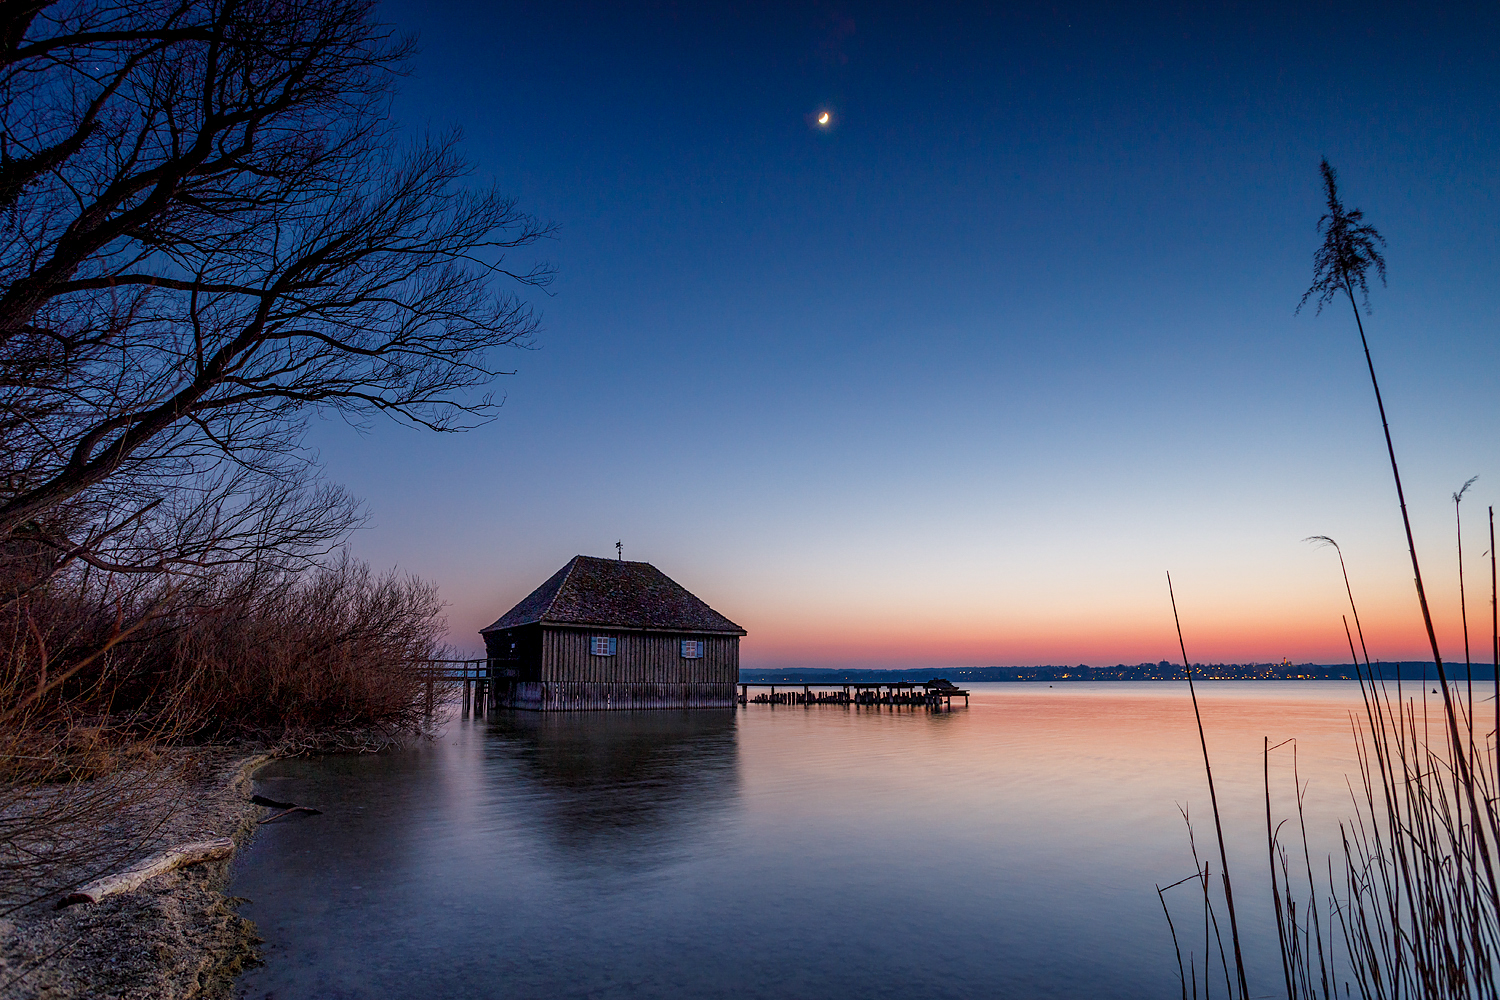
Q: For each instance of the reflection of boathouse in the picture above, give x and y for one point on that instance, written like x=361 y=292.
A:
x=604 y=633
x=615 y=790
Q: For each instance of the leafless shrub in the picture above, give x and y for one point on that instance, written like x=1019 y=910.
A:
x=261 y=649
x=327 y=659
x=338 y=649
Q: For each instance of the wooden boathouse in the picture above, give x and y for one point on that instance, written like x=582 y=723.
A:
x=612 y=634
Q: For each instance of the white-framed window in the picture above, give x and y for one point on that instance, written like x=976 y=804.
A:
x=602 y=645
x=692 y=649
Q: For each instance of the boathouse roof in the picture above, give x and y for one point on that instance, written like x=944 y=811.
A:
x=614 y=593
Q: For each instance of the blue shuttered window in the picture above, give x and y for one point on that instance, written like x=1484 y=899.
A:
x=692 y=649
x=602 y=645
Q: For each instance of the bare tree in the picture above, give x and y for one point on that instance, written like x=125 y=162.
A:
x=211 y=231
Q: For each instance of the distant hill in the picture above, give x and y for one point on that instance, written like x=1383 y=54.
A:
x=1162 y=671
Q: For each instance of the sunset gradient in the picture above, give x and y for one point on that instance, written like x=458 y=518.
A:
x=956 y=382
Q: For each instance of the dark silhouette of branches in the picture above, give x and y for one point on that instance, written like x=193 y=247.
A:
x=212 y=231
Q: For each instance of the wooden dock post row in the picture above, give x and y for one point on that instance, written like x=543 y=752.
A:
x=932 y=694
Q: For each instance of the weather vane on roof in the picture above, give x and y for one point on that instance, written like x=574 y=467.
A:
x=619 y=552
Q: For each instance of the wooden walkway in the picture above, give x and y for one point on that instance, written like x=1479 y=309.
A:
x=932 y=694
x=478 y=678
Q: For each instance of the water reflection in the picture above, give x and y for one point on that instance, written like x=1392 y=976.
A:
x=615 y=789
x=1007 y=850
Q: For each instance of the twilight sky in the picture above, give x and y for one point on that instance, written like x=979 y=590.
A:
x=954 y=381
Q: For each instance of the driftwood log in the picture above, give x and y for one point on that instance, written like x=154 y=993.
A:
x=288 y=811
x=261 y=800
x=135 y=876
x=287 y=808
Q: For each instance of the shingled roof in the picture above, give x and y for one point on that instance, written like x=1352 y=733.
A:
x=615 y=594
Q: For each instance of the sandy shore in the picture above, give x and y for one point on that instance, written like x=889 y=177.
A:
x=176 y=937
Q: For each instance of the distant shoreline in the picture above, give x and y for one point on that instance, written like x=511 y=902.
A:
x=1120 y=672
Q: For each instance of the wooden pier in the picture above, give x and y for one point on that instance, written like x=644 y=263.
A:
x=480 y=679
x=931 y=694
x=477 y=678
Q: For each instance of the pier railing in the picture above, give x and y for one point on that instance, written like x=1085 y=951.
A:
x=477 y=678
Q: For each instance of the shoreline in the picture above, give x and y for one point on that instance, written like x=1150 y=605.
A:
x=179 y=936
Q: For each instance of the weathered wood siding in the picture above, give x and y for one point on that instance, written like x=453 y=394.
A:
x=640 y=658
x=646 y=671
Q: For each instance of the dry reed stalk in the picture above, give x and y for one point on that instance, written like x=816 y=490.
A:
x=1350 y=249
x=1463 y=604
x=1348 y=589
x=1182 y=977
x=1413 y=911
x=1495 y=634
x=1281 y=937
x=1234 y=930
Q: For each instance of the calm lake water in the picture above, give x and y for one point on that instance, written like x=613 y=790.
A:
x=1010 y=849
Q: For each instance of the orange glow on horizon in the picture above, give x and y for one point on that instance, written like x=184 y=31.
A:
x=932 y=612
x=1393 y=632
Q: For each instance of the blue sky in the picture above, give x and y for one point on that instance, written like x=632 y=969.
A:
x=954 y=381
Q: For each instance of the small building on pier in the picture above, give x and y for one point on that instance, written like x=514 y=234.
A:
x=611 y=634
